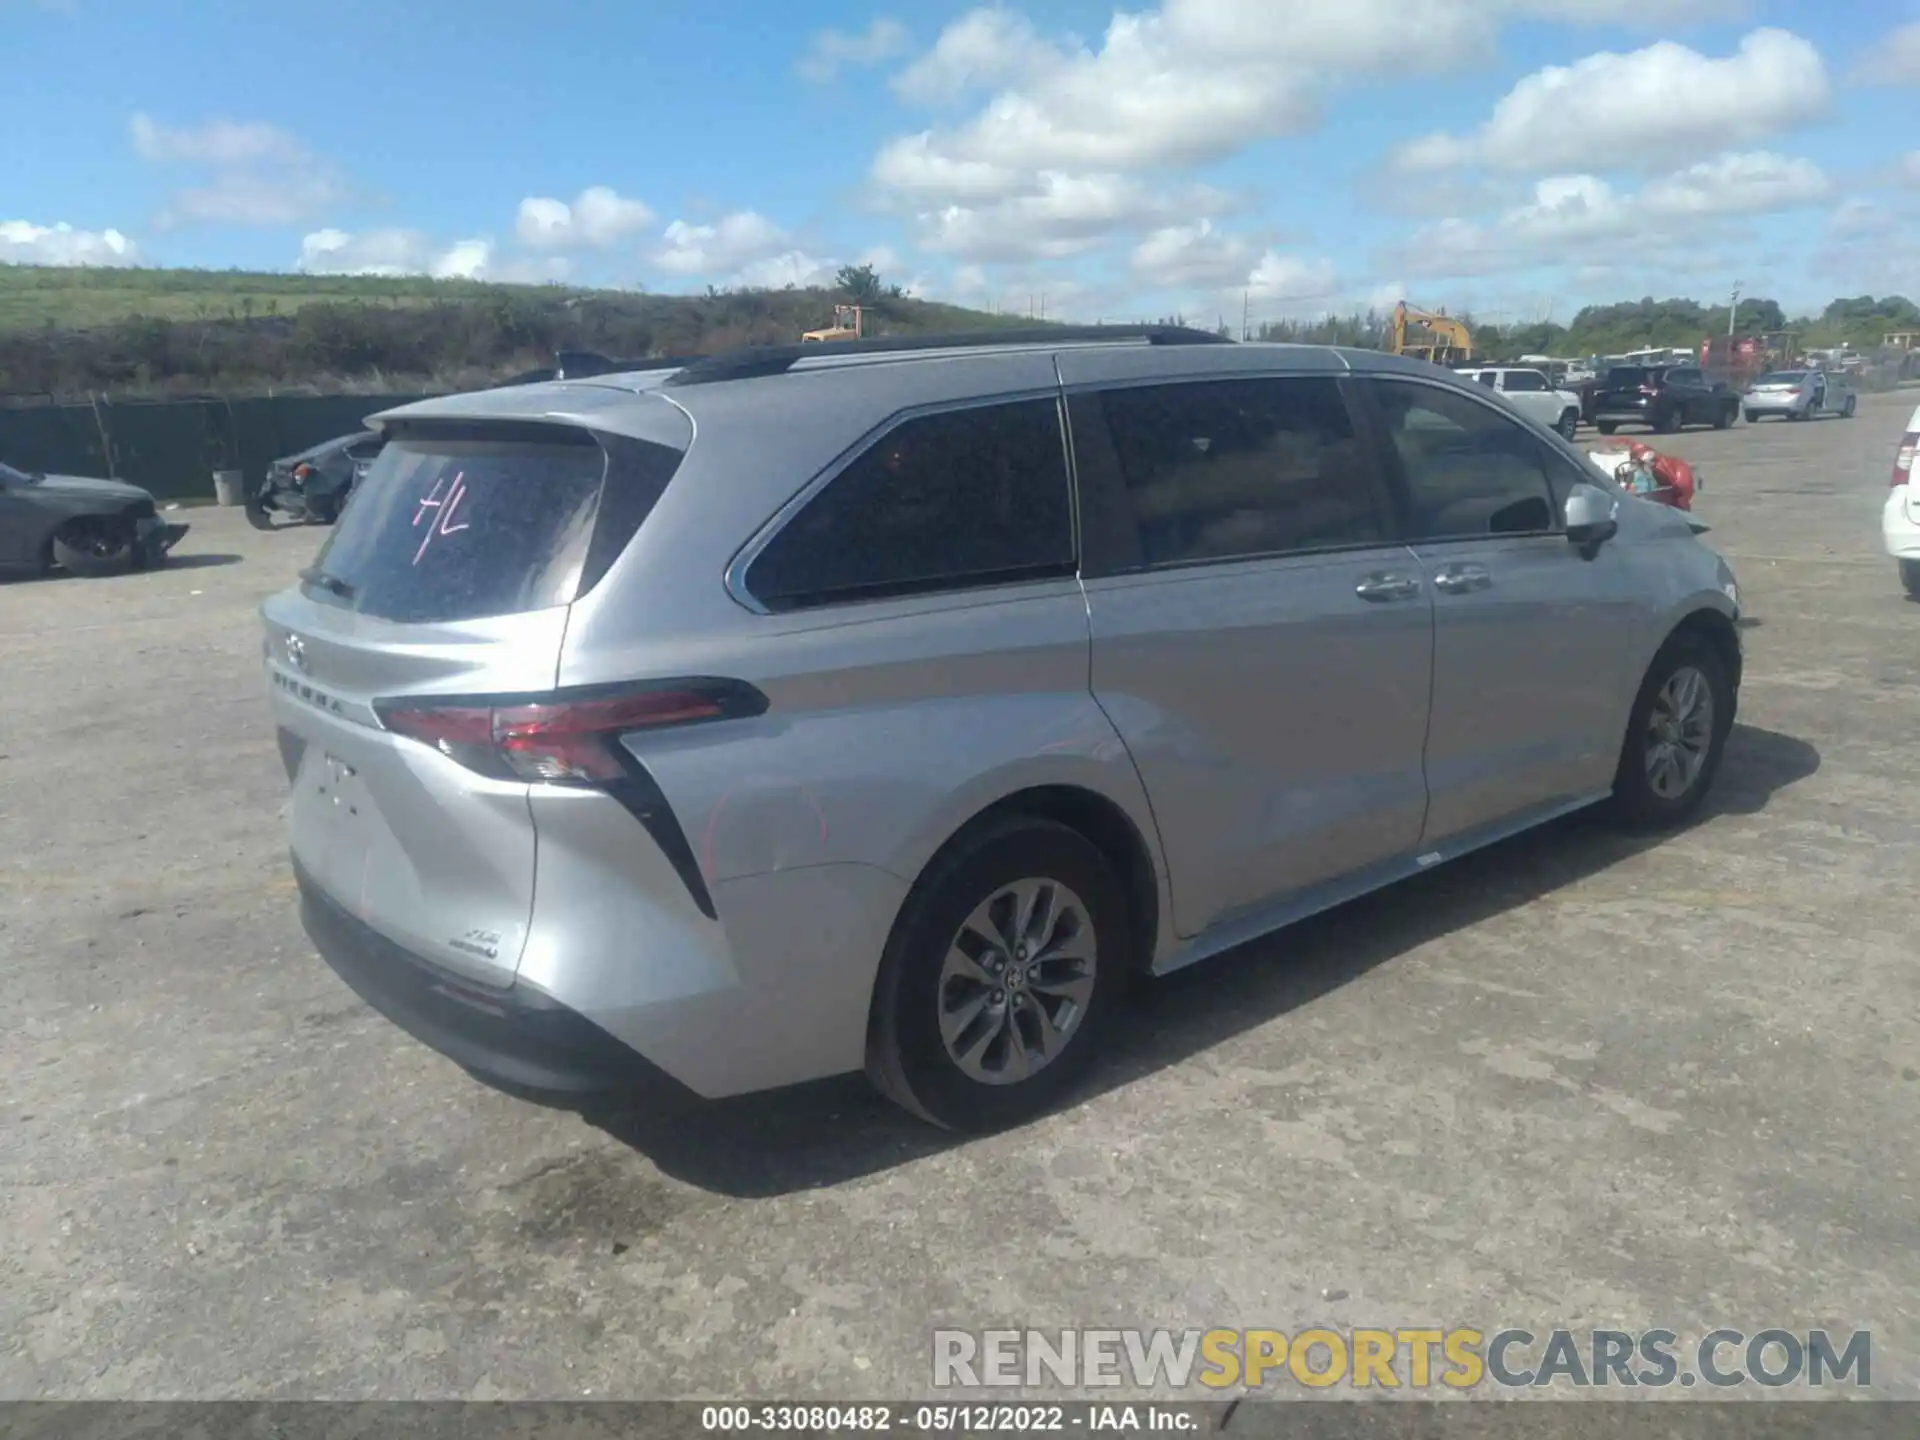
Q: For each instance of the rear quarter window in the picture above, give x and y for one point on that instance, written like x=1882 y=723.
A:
x=952 y=501
x=471 y=522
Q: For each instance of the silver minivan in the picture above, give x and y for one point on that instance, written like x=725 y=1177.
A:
x=887 y=705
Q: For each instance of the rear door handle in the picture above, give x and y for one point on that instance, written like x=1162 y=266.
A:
x=1460 y=579
x=1381 y=587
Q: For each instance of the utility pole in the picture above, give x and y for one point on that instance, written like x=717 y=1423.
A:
x=1733 y=308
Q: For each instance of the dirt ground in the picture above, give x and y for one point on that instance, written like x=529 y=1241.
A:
x=1574 y=1081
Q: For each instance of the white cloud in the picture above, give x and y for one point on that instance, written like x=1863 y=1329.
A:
x=1163 y=89
x=1582 y=215
x=215 y=142
x=1658 y=104
x=775 y=272
x=599 y=217
x=980 y=49
x=24 y=243
x=722 y=248
x=265 y=199
x=1191 y=257
x=257 y=174
x=466 y=260
x=394 y=252
x=1062 y=215
x=831 y=50
x=1893 y=60
x=1190 y=82
x=1611 y=12
x=1290 y=280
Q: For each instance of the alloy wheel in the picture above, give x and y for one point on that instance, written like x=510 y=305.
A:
x=1679 y=733
x=1016 y=981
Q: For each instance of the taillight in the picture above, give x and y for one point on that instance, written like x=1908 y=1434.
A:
x=1903 y=457
x=567 y=738
x=302 y=471
x=1649 y=389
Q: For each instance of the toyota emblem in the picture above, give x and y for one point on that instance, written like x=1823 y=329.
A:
x=297 y=653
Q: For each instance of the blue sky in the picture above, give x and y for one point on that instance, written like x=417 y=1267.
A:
x=1515 y=157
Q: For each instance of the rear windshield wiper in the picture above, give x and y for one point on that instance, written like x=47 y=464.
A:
x=333 y=584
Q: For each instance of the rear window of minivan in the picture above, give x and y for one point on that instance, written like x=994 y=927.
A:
x=467 y=522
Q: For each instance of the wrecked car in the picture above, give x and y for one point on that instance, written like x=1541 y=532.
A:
x=88 y=527
x=313 y=486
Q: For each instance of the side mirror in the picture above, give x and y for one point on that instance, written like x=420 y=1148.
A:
x=1590 y=518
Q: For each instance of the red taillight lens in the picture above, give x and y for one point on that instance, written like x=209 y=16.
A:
x=1903 y=457
x=301 y=472
x=1649 y=389
x=562 y=740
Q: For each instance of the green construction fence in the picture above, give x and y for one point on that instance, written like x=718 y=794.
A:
x=172 y=447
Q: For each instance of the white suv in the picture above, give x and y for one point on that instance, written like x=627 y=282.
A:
x=1531 y=393
x=1901 y=520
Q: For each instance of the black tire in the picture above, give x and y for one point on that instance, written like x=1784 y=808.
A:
x=1796 y=414
x=1910 y=578
x=96 y=545
x=907 y=1058
x=1605 y=427
x=1724 y=420
x=1637 y=803
x=1848 y=406
x=1569 y=425
x=1669 y=423
x=1753 y=418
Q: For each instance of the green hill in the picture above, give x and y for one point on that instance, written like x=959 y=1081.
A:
x=143 y=331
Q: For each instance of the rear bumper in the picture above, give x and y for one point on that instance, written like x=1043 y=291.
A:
x=1898 y=527
x=518 y=1038
x=1775 y=407
x=1625 y=415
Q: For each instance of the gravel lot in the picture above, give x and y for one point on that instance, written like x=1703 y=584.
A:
x=1573 y=1081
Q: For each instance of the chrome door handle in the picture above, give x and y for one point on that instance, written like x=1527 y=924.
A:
x=1382 y=587
x=1459 y=579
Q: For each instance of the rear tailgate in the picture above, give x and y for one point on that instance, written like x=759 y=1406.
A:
x=446 y=585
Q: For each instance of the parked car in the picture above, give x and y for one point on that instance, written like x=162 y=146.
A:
x=888 y=704
x=1529 y=392
x=1900 y=521
x=1800 y=395
x=1664 y=398
x=88 y=527
x=312 y=487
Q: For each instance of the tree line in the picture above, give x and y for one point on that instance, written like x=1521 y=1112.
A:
x=1859 y=321
x=408 y=333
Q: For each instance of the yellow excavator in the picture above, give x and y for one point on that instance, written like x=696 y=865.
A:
x=1429 y=335
x=849 y=323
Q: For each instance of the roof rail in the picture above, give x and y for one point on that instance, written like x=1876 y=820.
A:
x=778 y=359
x=582 y=364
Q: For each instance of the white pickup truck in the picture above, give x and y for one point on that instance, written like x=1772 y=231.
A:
x=1529 y=391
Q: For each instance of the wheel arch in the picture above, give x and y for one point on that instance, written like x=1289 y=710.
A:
x=1105 y=824
x=1717 y=628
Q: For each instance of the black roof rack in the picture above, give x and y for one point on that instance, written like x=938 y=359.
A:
x=778 y=359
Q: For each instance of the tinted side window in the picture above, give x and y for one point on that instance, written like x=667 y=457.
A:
x=1526 y=380
x=1217 y=470
x=1684 y=377
x=1469 y=470
x=943 y=502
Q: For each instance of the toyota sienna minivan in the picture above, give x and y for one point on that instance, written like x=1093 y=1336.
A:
x=886 y=705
